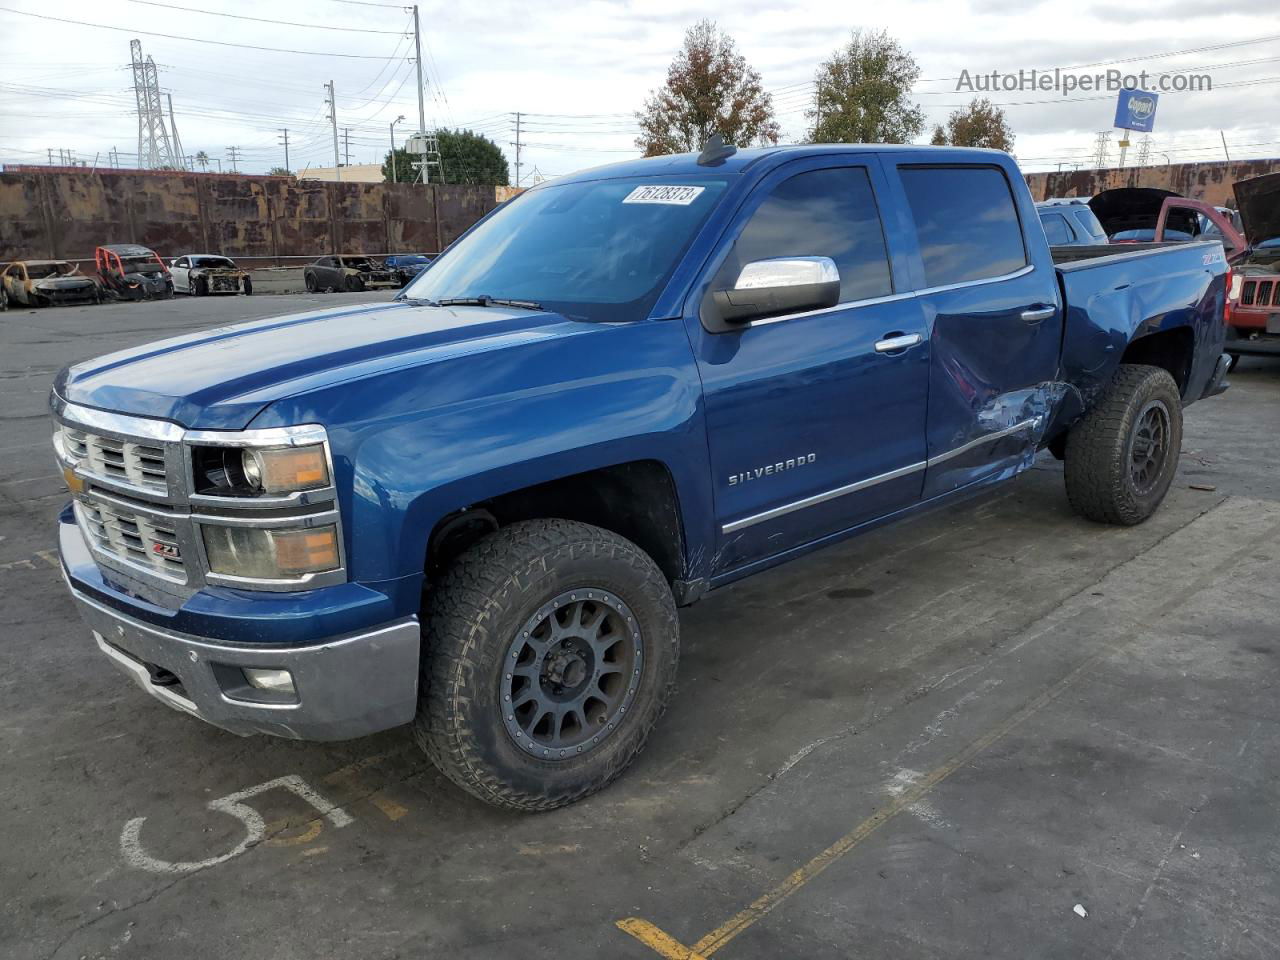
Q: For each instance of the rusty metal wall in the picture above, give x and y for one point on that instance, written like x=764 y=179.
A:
x=64 y=215
x=1211 y=182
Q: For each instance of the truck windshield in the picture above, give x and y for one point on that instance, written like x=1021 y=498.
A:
x=596 y=250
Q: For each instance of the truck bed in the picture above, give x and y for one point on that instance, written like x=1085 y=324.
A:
x=1076 y=252
x=1110 y=291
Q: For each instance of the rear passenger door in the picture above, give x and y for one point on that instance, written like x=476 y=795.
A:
x=993 y=304
x=815 y=420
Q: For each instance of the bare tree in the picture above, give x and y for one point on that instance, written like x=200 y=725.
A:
x=710 y=89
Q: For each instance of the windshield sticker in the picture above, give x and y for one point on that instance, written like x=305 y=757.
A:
x=677 y=196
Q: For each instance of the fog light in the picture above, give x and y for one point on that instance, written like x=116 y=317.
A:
x=276 y=681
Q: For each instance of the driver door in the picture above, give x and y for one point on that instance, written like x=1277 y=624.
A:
x=815 y=420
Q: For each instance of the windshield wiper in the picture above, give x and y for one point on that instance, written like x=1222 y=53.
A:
x=483 y=301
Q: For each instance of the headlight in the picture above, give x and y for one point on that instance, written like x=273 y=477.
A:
x=252 y=471
x=285 y=469
x=267 y=553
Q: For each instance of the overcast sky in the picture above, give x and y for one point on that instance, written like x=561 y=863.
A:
x=578 y=71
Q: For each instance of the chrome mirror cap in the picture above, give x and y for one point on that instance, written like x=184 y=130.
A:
x=787 y=272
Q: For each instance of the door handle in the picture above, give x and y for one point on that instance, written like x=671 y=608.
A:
x=897 y=341
x=1038 y=312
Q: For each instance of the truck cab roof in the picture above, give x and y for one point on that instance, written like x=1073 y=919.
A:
x=761 y=159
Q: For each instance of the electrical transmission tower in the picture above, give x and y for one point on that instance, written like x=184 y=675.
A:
x=233 y=154
x=1102 y=149
x=155 y=147
x=1144 y=151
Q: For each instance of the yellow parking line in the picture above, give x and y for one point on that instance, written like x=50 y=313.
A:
x=392 y=810
x=657 y=941
x=672 y=949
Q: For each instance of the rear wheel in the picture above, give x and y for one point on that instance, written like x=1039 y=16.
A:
x=4 y=299
x=550 y=652
x=1232 y=360
x=1121 y=458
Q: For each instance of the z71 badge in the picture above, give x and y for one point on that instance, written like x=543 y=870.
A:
x=755 y=473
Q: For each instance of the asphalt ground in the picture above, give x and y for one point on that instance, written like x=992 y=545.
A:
x=995 y=730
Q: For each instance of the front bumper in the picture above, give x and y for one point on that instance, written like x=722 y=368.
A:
x=346 y=687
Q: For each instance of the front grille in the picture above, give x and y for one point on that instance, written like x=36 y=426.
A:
x=1260 y=293
x=132 y=537
x=226 y=283
x=140 y=464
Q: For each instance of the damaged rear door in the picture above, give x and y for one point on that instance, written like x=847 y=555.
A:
x=992 y=296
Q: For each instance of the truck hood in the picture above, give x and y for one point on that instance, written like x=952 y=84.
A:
x=221 y=379
x=1131 y=208
x=1258 y=200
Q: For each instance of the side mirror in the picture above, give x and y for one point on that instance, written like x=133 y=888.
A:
x=768 y=288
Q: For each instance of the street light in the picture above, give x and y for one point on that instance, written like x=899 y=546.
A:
x=394 y=176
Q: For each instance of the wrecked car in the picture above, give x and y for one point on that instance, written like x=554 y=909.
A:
x=42 y=283
x=200 y=274
x=1255 y=309
x=131 y=271
x=475 y=508
x=406 y=266
x=349 y=272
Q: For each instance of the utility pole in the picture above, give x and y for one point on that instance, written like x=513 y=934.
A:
x=234 y=156
x=51 y=156
x=346 y=146
x=285 y=141
x=417 y=49
x=1224 y=145
x=517 y=146
x=395 y=178
x=333 y=120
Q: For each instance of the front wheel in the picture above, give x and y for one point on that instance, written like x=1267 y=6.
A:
x=310 y=281
x=354 y=285
x=248 y=287
x=549 y=653
x=1121 y=458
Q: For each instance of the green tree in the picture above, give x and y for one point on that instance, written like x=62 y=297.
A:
x=710 y=89
x=981 y=124
x=465 y=157
x=863 y=93
x=279 y=172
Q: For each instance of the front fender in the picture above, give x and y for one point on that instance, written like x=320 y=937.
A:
x=414 y=445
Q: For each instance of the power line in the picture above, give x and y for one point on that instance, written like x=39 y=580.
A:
x=282 y=23
x=172 y=36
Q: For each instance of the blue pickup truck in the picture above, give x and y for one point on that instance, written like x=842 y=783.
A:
x=476 y=509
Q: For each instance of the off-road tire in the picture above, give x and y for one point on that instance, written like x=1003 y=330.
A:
x=1100 y=483
x=470 y=619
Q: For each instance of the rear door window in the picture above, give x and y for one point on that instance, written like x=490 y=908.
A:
x=966 y=223
x=1056 y=229
x=1085 y=218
